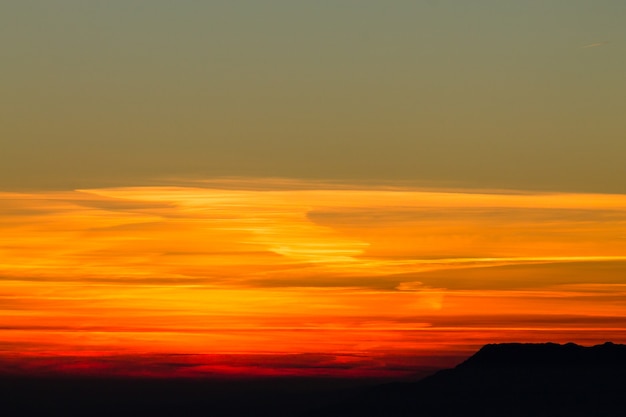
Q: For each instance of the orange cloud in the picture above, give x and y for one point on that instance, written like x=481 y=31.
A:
x=288 y=268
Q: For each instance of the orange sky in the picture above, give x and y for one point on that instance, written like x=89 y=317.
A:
x=279 y=277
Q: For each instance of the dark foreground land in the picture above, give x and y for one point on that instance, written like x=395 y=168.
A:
x=505 y=380
x=137 y=397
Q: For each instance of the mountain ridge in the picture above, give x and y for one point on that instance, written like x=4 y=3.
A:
x=547 y=354
x=511 y=379
x=499 y=380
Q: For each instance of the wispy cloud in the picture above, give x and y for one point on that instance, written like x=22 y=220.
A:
x=286 y=266
x=595 y=44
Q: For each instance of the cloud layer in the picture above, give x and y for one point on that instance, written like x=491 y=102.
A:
x=282 y=268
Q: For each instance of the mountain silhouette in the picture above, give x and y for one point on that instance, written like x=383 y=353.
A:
x=503 y=380
x=507 y=380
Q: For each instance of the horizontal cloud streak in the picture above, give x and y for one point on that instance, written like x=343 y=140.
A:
x=288 y=267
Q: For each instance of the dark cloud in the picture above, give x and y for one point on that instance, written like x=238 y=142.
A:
x=522 y=276
x=218 y=365
x=407 y=215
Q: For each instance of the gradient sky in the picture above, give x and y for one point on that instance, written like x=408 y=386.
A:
x=488 y=93
x=347 y=188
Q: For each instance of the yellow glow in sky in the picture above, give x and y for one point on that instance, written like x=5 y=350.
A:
x=375 y=277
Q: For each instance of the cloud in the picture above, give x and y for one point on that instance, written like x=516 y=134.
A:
x=595 y=44
x=223 y=365
x=293 y=267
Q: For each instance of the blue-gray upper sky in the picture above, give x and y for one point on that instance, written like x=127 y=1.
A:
x=486 y=93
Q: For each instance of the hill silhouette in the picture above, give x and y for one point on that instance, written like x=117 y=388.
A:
x=503 y=380
x=511 y=380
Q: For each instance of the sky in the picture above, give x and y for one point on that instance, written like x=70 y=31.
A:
x=343 y=188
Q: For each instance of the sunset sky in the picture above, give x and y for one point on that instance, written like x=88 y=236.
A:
x=324 y=188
